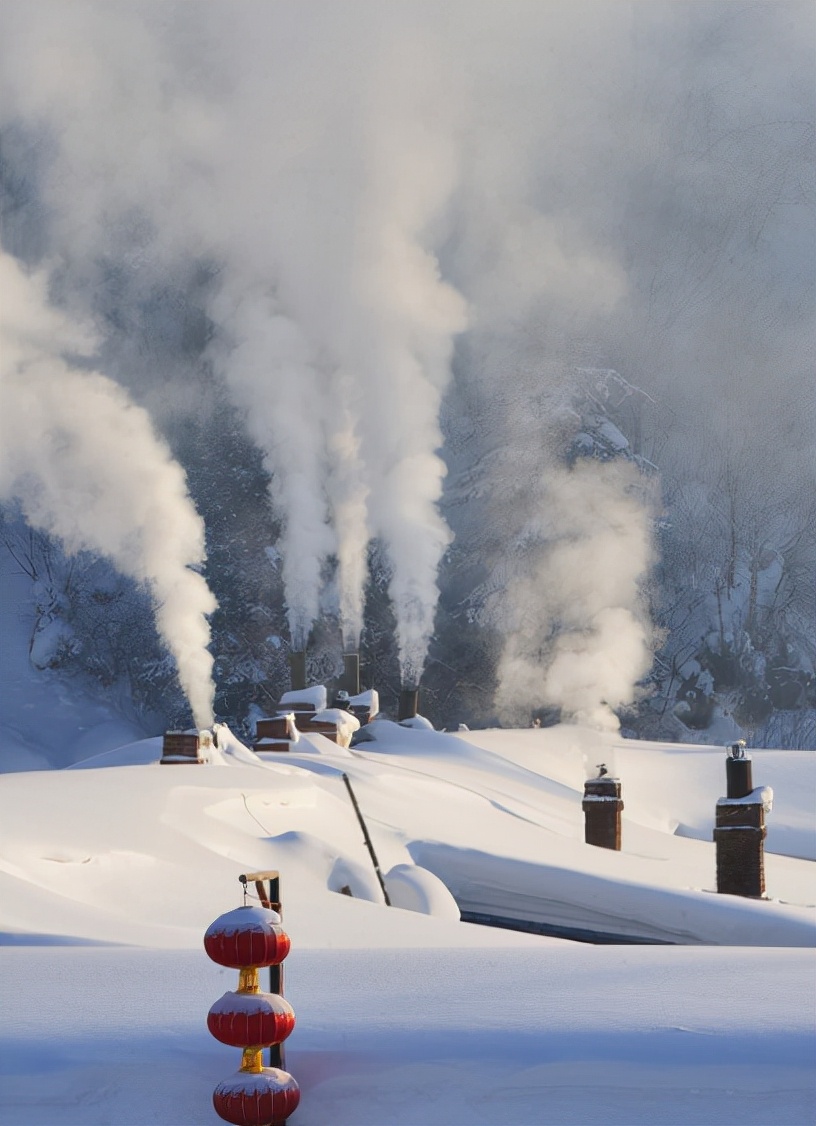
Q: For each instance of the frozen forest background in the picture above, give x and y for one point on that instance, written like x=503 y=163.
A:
x=699 y=377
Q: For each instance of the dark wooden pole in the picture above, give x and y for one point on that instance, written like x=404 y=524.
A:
x=277 y=1055
x=367 y=839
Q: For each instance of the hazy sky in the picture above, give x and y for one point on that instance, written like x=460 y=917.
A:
x=379 y=187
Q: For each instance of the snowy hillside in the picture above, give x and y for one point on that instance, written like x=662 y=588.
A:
x=112 y=869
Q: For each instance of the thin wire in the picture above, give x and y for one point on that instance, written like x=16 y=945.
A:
x=254 y=818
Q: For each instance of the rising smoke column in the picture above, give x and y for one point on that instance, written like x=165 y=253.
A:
x=565 y=551
x=604 y=184
x=576 y=622
x=348 y=499
x=87 y=467
x=334 y=196
x=323 y=180
x=270 y=372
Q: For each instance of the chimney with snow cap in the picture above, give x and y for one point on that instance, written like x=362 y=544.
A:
x=602 y=806
x=739 y=833
x=181 y=747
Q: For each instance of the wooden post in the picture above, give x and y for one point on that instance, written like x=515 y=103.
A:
x=367 y=839
x=272 y=900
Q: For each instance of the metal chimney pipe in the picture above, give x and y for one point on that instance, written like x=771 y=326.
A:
x=351 y=674
x=738 y=778
x=297 y=670
x=408 y=704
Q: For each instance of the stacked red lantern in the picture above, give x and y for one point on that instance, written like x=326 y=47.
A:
x=247 y=939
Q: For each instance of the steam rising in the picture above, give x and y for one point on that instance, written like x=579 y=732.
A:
x=577 y=615
x=396 y=194
x=86 y=466
x=339 y=217
x=271 y=374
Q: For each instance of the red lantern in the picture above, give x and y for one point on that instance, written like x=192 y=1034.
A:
x=245 y=1020
x=262 y=1098
x=246 y=937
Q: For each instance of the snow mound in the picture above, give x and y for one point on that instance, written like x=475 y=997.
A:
x=416 y=889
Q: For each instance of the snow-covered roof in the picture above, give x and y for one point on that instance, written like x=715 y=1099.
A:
x=418 y=721
x=343 y=720
x=369 y=699
x=316 y=696
x=761 y=795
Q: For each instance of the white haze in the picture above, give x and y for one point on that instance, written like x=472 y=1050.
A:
x=531 y=184
x=588 y=642
x=86 y=466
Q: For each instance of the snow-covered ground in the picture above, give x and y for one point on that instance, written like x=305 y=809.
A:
x=112 y=870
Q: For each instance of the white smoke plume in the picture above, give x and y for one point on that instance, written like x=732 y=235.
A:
x=86 y=466
x=270 y=371
x=390 y=189
x=576 y=621
x=348 y=496
x=334 y=198
x=314 y=178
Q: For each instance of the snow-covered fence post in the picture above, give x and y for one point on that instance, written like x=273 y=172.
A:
x=602 y=806
x=247 y=939
x=739 y=833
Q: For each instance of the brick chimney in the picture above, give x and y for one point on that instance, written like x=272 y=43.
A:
x=602 y=806
x=180 y=747
x=739 y=833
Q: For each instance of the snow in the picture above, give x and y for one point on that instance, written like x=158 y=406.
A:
x=761 y=795
x=53 y=723
x=247 y=1003
x=416 y=889
x=369 y=699
x=419 y=722
x=314 y=697
x=344 y=721
x=250 y=1084
x=247 y=918
x=111 y=872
